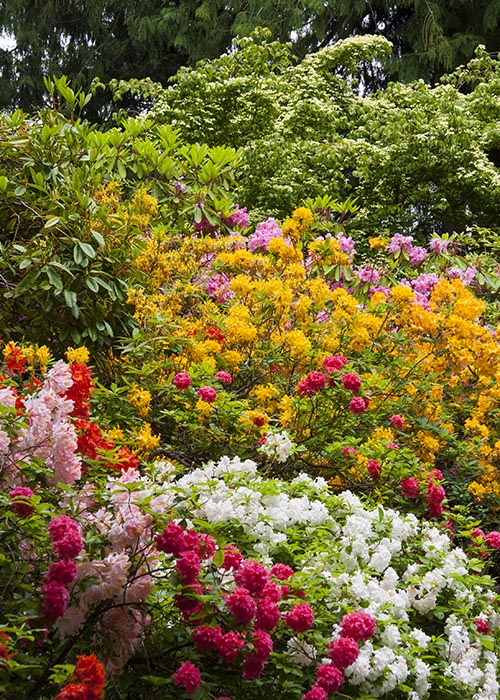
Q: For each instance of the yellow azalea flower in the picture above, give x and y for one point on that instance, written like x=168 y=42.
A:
x=360 y=339
x=378 y=243
x=303 y=216
x=376 y=299
x=287 y=411
x=144 y=439
x=140 y=399
x=291 y=229
x=78 y=355
x=296 y=343
x=264 y=394
x=115 y=434
x=320 y=292
x=204 y=408
x=233 y=358
x=401 y=293
x=336 y=483
x=255 y=419
x=331 y=342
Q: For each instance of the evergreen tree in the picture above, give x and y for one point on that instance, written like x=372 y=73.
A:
x=122 y=39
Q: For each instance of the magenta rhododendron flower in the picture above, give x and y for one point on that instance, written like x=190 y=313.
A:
x=224 y=377
x=62 y=572
x=343 y=652
x=55 y=601
x=351 y=382
x=357 y=405
x=359 y=626
x=374 y=469
x=206 y=638
x=492 y=539
x=182 y=380
x=241 y=606
x=410 y=487
x=207 y=393
x=316 y=693
x=251 y=575
x=171 y=540
x=19 y=497
x=300 y=617
x=66 y=537
x=329 y=677
x=397 y=421
x=230 y=645
x=187 y=676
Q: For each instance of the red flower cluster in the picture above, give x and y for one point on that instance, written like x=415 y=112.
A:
x=351 y=382
x=374 y=469
x=334 y=363
x=79 y=392
x=15 y=360
x=358 y=405
x=207 y=393
x=435 y=494
x=89 y=680
x=182 y=380
x=343 y=652
x=5 y=654
x=410 y=487
x=299 y=618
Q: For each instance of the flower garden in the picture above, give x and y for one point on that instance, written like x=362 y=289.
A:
x=238 y=459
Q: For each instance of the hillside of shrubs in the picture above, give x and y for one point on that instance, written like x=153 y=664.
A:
x=249 y=395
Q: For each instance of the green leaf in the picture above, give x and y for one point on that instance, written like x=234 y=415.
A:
x=53 y=221
x=3 y=183
x=92 y=284
x=88 y=250
x=27 y=282
x=219 y=557
x=98 y=238
x=54 y=278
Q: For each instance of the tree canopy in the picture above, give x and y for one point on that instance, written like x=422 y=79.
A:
x=416 y=158
x=122 y=40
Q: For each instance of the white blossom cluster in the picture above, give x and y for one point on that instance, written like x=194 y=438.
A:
x=277 y=446
x=407 y=574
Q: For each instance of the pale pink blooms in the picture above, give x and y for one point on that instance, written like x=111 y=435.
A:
x=7 y=397
x=64 y=460
x=59 y=378
x=4 y=442
x=71 y=622
x=123 y=629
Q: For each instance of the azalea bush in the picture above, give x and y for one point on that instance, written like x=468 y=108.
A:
x=273 y=343
x=218 y=582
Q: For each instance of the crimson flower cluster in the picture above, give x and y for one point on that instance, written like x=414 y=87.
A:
x=315 y=381
x=253 y=605
x=67 y=543
x=355 y=628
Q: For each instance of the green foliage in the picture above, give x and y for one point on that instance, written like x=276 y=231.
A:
x=417 y=159
x=152 y=39
x=76 y=207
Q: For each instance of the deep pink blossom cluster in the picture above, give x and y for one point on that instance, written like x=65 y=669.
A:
x=20 y=497
x=67 y=543
x=354 y=628
x=312 y=384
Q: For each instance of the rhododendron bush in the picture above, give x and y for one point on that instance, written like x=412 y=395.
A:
x=277 y=344
x=220 y=582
